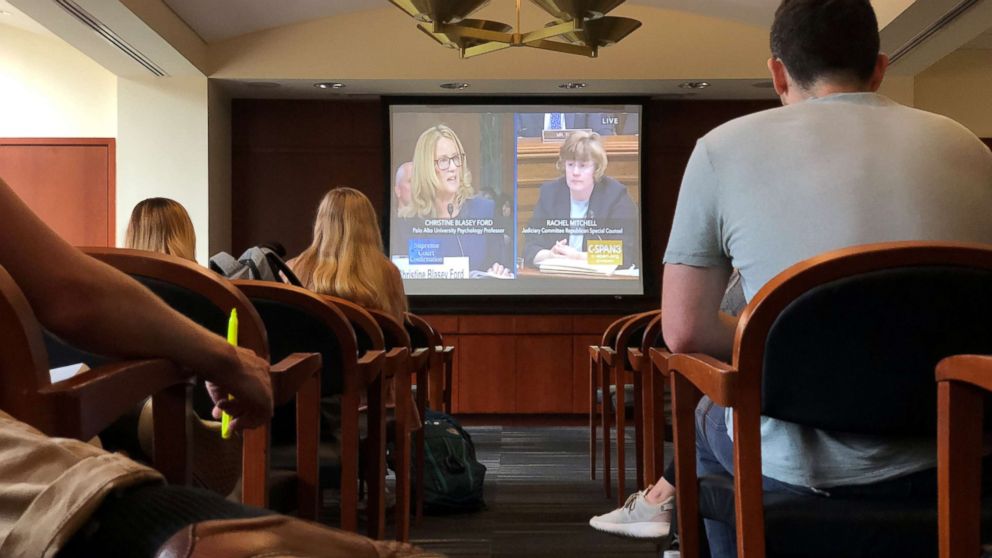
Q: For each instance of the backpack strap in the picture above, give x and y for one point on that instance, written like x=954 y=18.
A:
x=280 y=266
x=224 y=263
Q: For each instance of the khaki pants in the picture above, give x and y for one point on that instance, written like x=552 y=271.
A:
x=49 y=487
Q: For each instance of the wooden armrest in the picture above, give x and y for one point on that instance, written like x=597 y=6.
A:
x=289 y=374
x=659 y=359
x=90 y=401
x=594 y=351
x=634 y=356
x=421 y=358
x=446 y=349
x=370 y=365
x=711 y=376
x=396 y=361
x=607 y=355
x=972 y=369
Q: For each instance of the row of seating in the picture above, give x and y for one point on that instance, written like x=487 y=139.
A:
x=318 y=344
x=848 y=342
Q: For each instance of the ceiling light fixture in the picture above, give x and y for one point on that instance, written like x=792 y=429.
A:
x=694 y=84
x=454 y=85
x=579 y=26
x=572 y=85
x=329 y=85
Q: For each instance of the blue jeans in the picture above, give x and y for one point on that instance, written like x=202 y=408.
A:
x=715 y=456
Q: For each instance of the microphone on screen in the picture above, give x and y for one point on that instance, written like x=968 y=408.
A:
x=451 y=209
x=590 y=215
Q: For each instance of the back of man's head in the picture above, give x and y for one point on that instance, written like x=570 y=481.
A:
x=834 y=40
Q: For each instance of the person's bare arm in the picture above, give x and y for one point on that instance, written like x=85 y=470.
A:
x=98 y=308
x=691 y=320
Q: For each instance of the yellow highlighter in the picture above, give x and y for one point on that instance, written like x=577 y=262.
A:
x=232 y=338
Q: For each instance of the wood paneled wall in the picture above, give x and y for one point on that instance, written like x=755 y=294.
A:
x=532 y=358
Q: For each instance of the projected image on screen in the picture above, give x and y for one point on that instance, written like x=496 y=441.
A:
x=523 y=200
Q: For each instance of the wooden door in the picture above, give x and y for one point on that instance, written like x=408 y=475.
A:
x=69 y=183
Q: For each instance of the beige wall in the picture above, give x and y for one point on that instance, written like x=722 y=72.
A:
x=49 y=89
x=960 y=86
x=900 y=89
x=219 y=119
x=162 y=148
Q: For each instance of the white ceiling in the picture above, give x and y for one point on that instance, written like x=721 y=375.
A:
x=13 y=17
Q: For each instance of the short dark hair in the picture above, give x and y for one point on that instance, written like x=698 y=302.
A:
x=833 y=39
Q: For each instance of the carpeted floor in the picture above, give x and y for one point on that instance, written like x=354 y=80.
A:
x=539 y=498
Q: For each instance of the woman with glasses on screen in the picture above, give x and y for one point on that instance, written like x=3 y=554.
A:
x=583 y=192
x=441 y=188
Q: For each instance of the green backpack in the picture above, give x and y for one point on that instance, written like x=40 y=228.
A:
x=453 y=476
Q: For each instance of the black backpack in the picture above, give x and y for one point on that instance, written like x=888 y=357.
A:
x=453 y=477
x=258 y=262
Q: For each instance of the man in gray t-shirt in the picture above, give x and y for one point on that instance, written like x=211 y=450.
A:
x=838 y=165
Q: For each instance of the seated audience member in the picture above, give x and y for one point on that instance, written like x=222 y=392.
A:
x=346 y=257
x=583 y=192
x=118 y=507
x=161 y=225
x=838 y=166
x=442 y=189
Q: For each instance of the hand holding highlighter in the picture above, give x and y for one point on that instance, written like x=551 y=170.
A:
x=232 y=338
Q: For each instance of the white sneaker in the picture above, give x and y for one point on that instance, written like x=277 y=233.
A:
x=637 y=518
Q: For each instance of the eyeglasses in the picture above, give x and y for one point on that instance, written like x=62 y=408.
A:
x=444 y=163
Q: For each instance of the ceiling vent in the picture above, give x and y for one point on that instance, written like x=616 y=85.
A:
x=922 y=36
x=107 y=33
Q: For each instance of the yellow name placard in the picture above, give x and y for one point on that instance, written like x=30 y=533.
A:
x=605 y=252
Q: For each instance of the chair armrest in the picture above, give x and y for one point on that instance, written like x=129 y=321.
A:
x=90 y=401
x=711 y=376
x=635 y=357
x=659 y=359
x=972 y=369
x=290 y=373
x=370 y=366
x=607 y=355
x=421 y=358
x=594 y=352
x=396 y=361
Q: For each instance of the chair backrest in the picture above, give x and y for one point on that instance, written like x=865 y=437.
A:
x=367 y=331
x=610 y=334
x=652 y=335
x=23 y=361
x=297 y=320
x=194 y=291
x=422 y=333
x=848 y=341
x=631 y=334
x=393 y=333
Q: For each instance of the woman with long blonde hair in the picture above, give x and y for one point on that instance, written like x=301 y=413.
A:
x=346 y=257
x=161 y=225
x=441 y=188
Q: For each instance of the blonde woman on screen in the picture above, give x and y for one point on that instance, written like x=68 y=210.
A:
x=161 y=225
x=346 y=257
x=441 y=188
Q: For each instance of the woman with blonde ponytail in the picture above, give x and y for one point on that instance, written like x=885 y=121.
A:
x=346 y=257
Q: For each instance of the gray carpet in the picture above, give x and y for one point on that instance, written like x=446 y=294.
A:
x=539 y=497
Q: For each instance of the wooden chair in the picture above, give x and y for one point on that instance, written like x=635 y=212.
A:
x=207 y=299
x=963 y=386
x=598 y=405
x=298 y=320
x=370 y=338
x=616 y=371
x=406 y=420
x=844 y=342
x=653 y=415
x=423 y=335
x=83 y=405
